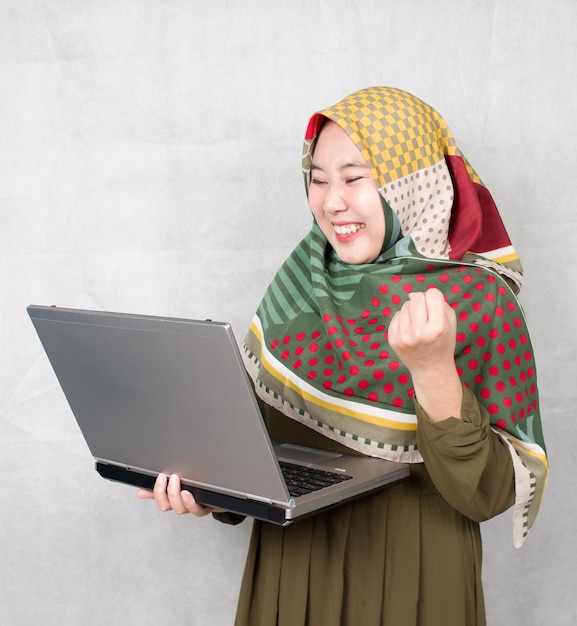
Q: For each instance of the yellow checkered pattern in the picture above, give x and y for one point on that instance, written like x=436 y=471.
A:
x=398 y=134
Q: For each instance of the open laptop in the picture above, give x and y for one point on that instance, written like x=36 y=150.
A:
x=153 y=394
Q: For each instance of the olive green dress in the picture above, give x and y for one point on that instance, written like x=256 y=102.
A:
x=403 y=556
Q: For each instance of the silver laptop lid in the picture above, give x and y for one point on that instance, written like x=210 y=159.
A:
x=161 y=395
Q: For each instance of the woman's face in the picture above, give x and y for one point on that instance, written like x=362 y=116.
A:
x=344 y=199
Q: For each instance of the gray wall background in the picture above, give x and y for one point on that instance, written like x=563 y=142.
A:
x=150 y=162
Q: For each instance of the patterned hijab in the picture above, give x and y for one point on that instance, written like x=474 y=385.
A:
x=317 y=348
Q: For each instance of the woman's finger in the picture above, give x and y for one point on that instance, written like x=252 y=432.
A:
x=145 y=494
x=193 y=507
x=160 y=494
x=174 y=492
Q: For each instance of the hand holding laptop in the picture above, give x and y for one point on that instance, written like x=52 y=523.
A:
x=170 y=497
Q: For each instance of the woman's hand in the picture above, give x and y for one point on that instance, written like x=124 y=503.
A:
x=423 y=332
x=170 y=497
x=423 y=335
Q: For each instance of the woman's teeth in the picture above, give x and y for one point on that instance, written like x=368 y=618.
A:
x=348 y=229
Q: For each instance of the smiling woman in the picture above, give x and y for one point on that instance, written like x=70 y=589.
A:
x=392 y=330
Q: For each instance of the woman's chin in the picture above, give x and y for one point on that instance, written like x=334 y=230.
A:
x=354 y=257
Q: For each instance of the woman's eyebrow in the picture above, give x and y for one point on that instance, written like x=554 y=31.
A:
x=344 y=166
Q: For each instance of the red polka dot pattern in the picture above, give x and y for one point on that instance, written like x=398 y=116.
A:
x=349 y=354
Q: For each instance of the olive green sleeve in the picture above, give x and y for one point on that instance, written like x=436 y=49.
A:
x=229 y=518
x=469 y=464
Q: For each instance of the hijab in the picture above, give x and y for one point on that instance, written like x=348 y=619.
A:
x=317 y=348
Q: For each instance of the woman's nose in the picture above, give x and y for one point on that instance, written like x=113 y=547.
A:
x=334 y=200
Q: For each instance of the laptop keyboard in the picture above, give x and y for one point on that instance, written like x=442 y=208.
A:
x=301 y=480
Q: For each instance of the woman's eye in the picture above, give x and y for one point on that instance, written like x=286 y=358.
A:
x=316 y=181
x=353 y=179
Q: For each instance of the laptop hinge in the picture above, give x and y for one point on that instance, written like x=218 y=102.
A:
x=285 y=505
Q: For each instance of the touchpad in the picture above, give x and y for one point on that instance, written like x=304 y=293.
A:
x=292 y=452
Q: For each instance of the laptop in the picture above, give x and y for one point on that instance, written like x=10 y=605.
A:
x=156 y=394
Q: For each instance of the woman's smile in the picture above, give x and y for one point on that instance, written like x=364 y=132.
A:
x=345 y=232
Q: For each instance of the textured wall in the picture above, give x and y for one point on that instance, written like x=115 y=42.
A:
x=149 y=162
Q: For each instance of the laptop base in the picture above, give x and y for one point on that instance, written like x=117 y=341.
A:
x=250 y=508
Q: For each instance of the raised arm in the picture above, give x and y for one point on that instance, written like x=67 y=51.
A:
x=469 y=463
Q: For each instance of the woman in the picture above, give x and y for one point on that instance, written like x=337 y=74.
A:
x=392 y=330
